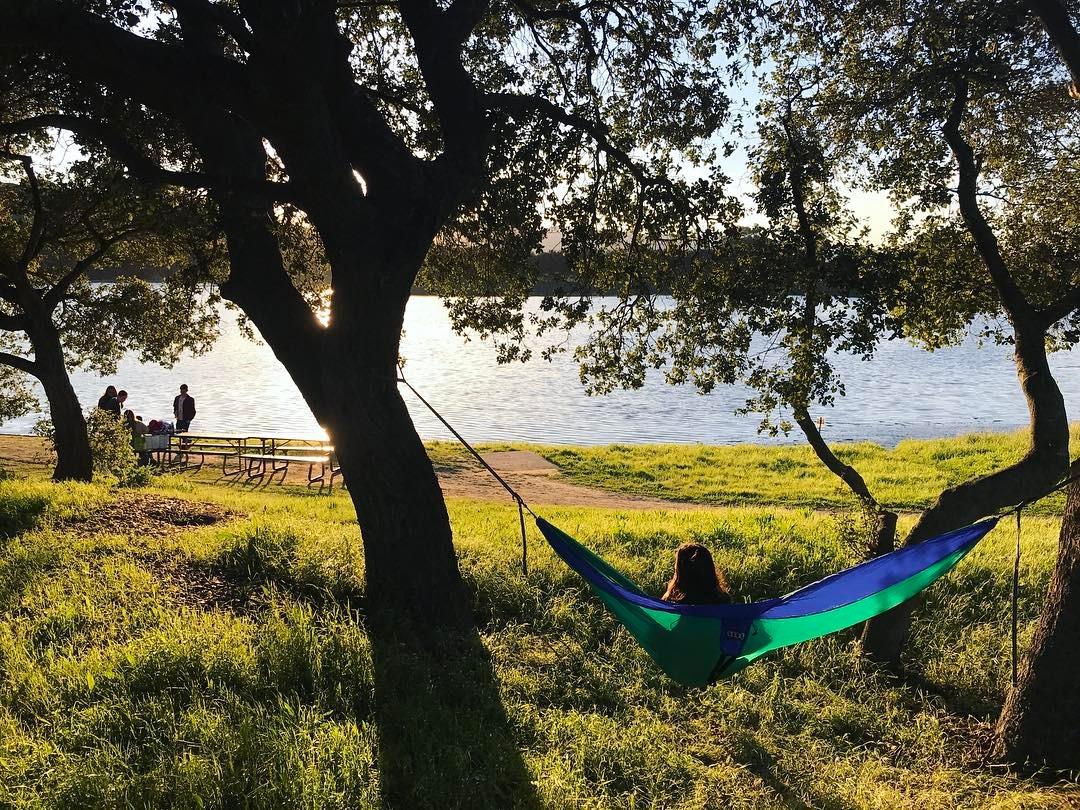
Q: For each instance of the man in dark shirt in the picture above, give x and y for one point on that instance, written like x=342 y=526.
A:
x=184 y=410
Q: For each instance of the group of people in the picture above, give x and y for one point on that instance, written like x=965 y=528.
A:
x=183 y=412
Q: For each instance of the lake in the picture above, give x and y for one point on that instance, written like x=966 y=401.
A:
x=903 y=393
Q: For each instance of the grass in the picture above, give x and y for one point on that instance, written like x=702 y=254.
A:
x=124 y=682
x=908 y=477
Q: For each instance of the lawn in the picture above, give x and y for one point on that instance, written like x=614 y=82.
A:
x=907 y=477
x=192 y=645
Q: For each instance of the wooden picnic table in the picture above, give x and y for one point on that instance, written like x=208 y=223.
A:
x=261 y=457
x=183 y=447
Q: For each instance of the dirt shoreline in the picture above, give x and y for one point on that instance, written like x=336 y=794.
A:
x=538 y=481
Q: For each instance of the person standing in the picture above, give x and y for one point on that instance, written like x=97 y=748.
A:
x=183 y=410
x=109 y=401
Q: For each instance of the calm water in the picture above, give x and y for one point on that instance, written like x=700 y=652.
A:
x=905 y=392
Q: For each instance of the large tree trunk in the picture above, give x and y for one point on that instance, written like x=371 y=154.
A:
x=72 y=444
x=412 y=570
x=1040 y=723
x=1040 y=469
x=347 y=375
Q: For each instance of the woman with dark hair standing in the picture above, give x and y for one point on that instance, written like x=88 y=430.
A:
x=696 y=580
x=109 y=401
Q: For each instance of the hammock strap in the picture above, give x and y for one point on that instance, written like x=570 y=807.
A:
x=1015 y=599
x=522 y=506
x=524 y=545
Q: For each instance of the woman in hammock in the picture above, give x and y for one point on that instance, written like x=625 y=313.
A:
x=696 y=580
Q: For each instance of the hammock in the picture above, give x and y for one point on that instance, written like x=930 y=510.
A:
x=697 y=644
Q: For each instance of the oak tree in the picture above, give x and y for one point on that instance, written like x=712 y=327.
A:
x=56 y=229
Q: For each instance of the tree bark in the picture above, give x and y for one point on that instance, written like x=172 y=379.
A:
x=1054 y=16
x=412 y=569
x=1039 y=725
x=73 y=459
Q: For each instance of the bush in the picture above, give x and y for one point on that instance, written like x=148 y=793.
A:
x=110 y=447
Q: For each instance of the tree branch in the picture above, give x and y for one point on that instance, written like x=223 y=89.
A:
x=142 y=167
x=154 y=73
x=462 y=17
x=1017 y=307
x=457 y=101
x=1054 y=16
x=13 y=323
x=20 y=363
x=1061 y=308
x=57 y=292
x=37 y=227
x=224 y=18
x=845 y=472
x=515 y=104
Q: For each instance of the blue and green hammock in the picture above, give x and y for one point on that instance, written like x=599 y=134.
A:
x=697 y=644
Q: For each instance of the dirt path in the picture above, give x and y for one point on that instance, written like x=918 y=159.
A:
x=538 y=480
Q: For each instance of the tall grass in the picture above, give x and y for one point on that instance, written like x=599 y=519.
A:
x=119 y=689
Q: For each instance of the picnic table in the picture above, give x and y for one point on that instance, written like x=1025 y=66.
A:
x=260 y=458
x=183 y=449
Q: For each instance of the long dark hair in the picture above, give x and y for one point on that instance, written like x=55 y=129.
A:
x=696 y=580
x=110 y=391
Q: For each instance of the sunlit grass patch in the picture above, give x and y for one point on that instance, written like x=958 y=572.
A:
x=908 y=476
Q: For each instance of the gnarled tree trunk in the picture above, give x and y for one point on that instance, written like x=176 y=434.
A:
x=72 y=444
x=1041 y=467
x=1039 y=726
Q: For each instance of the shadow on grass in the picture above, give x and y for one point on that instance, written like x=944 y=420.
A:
x=445 y=739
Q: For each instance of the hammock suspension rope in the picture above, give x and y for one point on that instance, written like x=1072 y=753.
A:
x=521 y=505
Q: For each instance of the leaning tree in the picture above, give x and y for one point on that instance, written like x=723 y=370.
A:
x=774 y=305
x=963 y=121
x=392 y=126
x=55 y=230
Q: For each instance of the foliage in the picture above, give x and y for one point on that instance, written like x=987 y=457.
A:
x=96 y=218
x=590 y=122
x=110 y=447
x=16 y=394
x=994 y=67
x=112 y=658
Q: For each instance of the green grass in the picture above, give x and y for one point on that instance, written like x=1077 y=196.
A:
x=909 y=476
x=119 y=689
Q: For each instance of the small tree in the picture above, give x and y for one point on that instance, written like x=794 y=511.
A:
x=53 y=232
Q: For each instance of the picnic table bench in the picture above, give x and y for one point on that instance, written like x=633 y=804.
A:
x=183 y=447
x=259 y=457
x=267 y=465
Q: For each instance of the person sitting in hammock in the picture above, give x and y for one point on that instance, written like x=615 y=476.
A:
x=696 y=580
